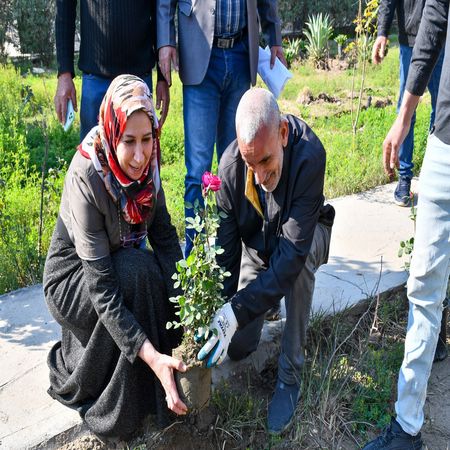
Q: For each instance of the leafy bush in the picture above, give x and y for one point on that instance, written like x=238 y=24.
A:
x=318 y=34
x=292 y=48
x=341 y=40
x=25 y=228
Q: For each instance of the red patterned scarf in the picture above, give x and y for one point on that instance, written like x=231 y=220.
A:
x=136 y=198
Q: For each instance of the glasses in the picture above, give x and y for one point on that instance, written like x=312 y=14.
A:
x=134 y=239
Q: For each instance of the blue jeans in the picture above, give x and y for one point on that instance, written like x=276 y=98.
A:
x=209 y=109
x=93 y=89
x=427 y=284
x=406 y=149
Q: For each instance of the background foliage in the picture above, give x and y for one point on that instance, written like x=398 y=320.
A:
x=27 y=117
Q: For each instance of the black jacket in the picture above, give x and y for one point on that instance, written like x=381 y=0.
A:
x=432 y=37
x=280 y=242
x=409 y=14
x=117 y=36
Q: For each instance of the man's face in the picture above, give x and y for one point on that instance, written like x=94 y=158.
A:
x=264 y=155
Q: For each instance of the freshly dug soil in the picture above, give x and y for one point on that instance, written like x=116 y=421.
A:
x=194 y=385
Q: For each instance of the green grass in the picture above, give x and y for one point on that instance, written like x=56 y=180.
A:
x=353 y=160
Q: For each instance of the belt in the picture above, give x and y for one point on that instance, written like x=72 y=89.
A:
x=229 y=41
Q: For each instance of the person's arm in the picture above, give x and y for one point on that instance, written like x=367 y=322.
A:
x=163 y=367
x=166 y=42
x=162 y=88
x=271 y=28
x=165 y=243
x=293 y=247
x=66 y=11
x=398 y=132
x=429 y=42
x=386 y=11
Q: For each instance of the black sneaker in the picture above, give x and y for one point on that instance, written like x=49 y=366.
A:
x=402 y=194
x=394 y=438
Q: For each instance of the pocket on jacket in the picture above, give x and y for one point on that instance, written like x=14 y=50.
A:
x=185 y=7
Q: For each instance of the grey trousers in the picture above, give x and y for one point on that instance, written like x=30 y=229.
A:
x=298 y=306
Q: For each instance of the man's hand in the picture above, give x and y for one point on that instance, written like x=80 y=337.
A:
x=162 y=100
x=64 y=91
x=223 y=327
x=379 y=49
x=398 y=132
x=163 y=367
x=167 y=57
x=277 y=52
x=391 y=146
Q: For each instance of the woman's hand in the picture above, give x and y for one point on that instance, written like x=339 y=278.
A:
x=163 y=367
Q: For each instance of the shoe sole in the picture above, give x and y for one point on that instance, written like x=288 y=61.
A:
x=400 y=203
x=277 y=433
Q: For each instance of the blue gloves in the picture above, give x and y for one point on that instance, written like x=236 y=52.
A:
x=223 y=327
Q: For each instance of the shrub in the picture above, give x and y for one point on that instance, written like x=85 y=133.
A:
x=318 y=34
x=292 y=48
x=341 y=40
x=24 y=232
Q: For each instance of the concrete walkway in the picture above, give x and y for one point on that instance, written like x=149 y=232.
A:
x=363 y=261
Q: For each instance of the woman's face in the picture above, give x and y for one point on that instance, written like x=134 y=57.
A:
x=135 y=147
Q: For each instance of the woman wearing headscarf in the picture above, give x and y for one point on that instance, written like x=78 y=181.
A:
x=107 y=290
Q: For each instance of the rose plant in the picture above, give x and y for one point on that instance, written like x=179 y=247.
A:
x=199 y=276
x=201 y=281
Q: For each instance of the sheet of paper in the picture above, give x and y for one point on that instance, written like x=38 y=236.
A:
x=275 y=78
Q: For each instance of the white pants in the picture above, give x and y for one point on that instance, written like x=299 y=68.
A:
x=427 y=284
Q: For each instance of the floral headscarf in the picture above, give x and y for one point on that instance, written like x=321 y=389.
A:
x=135 y=198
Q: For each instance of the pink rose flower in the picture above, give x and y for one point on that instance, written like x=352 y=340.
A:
x=211 y=182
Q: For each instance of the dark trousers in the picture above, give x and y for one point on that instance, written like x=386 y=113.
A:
x=298 y=306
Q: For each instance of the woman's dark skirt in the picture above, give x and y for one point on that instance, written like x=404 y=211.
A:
x=87 y=370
